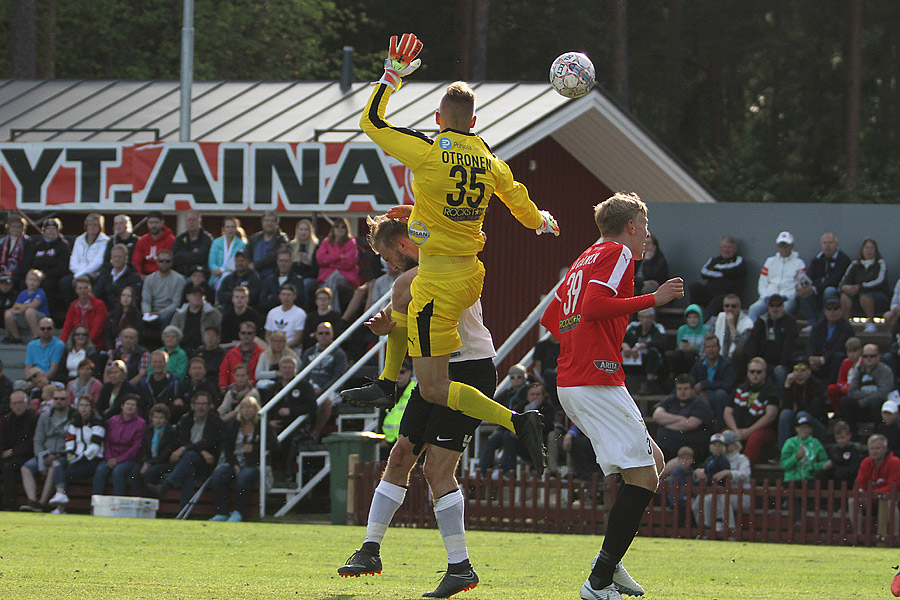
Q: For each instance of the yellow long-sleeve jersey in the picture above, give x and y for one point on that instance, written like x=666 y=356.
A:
x=454 y=176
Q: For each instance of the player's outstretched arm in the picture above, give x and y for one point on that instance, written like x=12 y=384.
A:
x=673 y=288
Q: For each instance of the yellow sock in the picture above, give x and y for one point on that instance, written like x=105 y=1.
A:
x=470 y=401
x=396 y=347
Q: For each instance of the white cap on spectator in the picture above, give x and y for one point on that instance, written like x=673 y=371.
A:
x=890 y=407
x=785 y=237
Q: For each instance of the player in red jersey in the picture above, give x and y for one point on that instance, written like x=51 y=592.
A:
x=588 y=316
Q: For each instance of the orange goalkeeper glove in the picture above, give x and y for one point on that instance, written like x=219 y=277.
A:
x=401 y=60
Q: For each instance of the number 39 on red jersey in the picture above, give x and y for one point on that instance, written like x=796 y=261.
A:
x=590 y=351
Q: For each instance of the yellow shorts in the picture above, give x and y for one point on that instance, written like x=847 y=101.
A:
x=444 y=287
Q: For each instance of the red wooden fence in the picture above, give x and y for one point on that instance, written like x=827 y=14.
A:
x=765 y=511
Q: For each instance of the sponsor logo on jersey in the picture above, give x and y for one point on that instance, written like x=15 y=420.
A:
x=569 y=323
x=446 y=143
x=463 y=213
x=607 y=366
x=418 y=233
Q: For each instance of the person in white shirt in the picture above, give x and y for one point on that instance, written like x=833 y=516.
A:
x=287 y=317
x=87 y=256
x=781 y=274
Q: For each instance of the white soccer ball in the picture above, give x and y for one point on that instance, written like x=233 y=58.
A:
x=572 y=74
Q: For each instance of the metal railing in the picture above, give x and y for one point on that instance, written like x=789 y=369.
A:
x=514 y=338
x=304 y=373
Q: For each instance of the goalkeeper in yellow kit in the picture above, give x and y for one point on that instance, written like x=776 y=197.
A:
x=454 y=176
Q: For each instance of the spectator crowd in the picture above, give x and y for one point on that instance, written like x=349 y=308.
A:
x=151 y=355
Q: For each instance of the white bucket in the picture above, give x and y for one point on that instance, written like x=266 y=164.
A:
x=124 y=506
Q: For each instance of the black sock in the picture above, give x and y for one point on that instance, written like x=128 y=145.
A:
x=624 y=520
x=371 y=547
x=459 y=568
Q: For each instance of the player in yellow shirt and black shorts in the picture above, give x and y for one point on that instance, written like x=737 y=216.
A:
x=454 y=176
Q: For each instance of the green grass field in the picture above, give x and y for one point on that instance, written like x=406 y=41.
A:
x=52 y=557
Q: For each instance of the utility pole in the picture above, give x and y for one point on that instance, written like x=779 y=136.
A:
x=187 y=71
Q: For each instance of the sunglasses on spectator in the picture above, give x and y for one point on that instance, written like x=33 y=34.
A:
x=46 y=328
x=800 y=367
x=755 y=371
x=248 y=333
x=730 y=305
x=63 y=397
x=870 y=355
x=164 y=260
x=322 y=332
x=80 y=333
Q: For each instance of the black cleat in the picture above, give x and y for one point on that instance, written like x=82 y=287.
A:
x=381 y=393
x=453 y=584
x=361 y=563
x=530 y=431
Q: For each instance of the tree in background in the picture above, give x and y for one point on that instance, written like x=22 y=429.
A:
x=773 y=100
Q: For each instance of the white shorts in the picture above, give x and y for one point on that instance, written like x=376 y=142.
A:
x=609 y=417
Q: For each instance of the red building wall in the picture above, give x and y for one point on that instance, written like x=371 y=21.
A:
x=522 y=266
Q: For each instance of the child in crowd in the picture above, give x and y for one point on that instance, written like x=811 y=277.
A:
x=802 y=457
x=682 y=473
x=843 y=457
x=688 y=340
x=30 y=307
x=836 y=391
x=716 y=463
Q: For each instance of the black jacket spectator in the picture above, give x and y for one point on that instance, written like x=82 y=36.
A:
x=300 y=401
x=775 y=341
x=827 y=272
x=8 y=297
x=188 y=253
x=872 y=278
x=109 y=289
x=211 y=440
x=129 y=241
x=52 y=259
x=229 y=437
x=651 y=269
x=162 y=391
x=6 y=388
x=306 y=271
x=17 y=433
x=809 y=397
x=211 y=359
x=231 y=322
x=723 y=374
x=266 y=263
x=186 y=390
x=820 y=344
x=167 y=445
x=248 y=278
x=845 y=461
x=268 y=296
x=109 y=406
x=724 y=276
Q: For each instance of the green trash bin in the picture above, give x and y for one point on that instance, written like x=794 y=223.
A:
x=340 y=446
